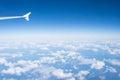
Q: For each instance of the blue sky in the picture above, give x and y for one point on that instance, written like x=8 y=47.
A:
x=61 y=17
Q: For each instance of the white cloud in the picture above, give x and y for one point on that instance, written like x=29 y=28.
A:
x=28 y=65
x=70 y=46
x=59 y=73
x=9 y=79
x=48 y=60
x=64 y=53
x=111 y=69
x=114 y=51
x=114 y=62
x=48 y=72
x=9 y=64
x=97 y=64
x=83 y=60
x=3 y=61
x=72 y=78
x=32 y=51
x=82 y=75
x=95 y=49
x=102 y=77
x=71 y=53
x=13 y=55
x=15 y=69
x=58 y=54
x=7 y=45
x=44 y=48
x=2 y=47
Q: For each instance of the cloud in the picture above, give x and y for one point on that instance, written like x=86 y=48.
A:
x=6 y=63
x=47 y=60
x=82 y=75
x=72 y=78
x=13 y=55
x=15 y=69
x=59 y=73
x=111 y=69
x=7 y=45
x=48 y=72
x=44 y=48
x=114 y=62
x=97 y=64
x=45 y=65
x=114 y=51
x=9 y=79
x=71 y=53
x=102 y=77
x=2 y=47
x=3 y=61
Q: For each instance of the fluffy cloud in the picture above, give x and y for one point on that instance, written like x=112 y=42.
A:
x=9 y=79
x=82 y=75
x=111 y=69
x=54 y=56
x=114 y=51
x=17 y=70
x=114 y=62
x=3 y=61
x=72 y=78
x=102 y=77
x=97 y=64
x=71 y=53
x=48 y=60
x=2 y=47
x=13 y=70
x=13 y=55
x=59 y=73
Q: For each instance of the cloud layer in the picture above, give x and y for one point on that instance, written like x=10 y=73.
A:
x=66 y=60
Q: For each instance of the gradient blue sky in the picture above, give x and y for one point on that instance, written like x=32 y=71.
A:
x=63 y=17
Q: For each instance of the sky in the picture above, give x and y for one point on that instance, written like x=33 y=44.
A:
x=66 y=18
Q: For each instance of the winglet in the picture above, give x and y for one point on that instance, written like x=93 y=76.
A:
x=26 y=16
